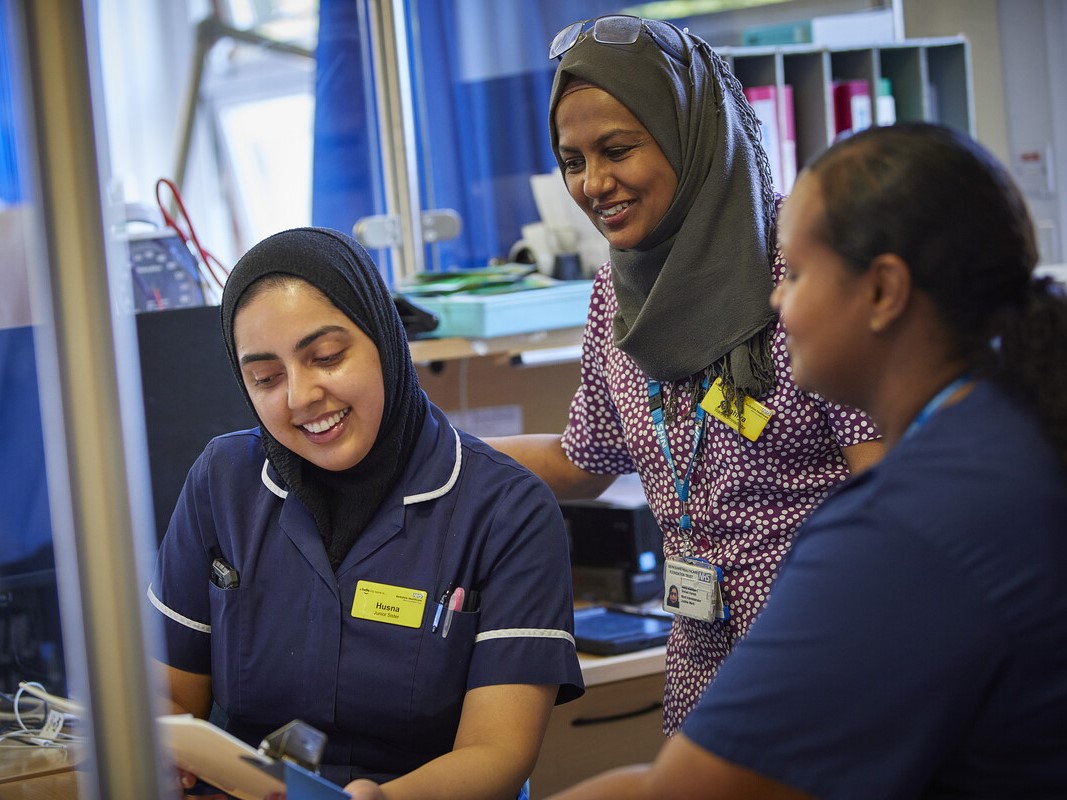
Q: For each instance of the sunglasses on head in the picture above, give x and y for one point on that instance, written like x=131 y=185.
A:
x=610 y=29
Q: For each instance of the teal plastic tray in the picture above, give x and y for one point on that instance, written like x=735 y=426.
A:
x=564 y=305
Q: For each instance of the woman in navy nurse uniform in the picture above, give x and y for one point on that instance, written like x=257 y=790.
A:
x=355 y=562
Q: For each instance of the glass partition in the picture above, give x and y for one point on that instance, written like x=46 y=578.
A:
x=75 y=513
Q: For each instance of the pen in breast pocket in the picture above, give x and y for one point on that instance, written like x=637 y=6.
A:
x=440 y=607
x=455 y=603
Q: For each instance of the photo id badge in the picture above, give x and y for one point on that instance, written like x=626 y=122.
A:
x=691 y=588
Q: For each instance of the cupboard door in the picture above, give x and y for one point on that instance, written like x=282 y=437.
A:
x=611 y=725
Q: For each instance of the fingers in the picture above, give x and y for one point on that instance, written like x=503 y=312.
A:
x=186 y=780
x=364 y=789
x=200 y=791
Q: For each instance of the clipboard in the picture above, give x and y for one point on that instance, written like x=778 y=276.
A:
x=609 y=631
x=220 y=758
x=224 y=761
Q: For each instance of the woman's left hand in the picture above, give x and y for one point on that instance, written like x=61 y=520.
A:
x=364 y=789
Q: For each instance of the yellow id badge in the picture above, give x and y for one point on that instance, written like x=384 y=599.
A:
x=393 y=605
x=753 y=419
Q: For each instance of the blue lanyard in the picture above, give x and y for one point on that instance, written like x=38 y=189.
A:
x=935 y=404
x=655 y=405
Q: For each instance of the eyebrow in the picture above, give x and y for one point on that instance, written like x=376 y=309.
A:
x=303 y=344
x=604 y=138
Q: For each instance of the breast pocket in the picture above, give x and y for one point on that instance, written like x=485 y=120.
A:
x=441 y=675
x=272 y=651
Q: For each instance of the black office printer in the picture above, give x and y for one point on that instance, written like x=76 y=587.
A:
x=616 y=547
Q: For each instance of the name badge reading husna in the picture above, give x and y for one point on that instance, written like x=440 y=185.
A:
x=753 y=419
x=691 y=589
x=393 y=605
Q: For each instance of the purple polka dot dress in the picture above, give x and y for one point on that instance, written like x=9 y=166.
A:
x=746 y=498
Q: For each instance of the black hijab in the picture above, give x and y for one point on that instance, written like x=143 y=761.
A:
x=694 y=296
x=342 y=503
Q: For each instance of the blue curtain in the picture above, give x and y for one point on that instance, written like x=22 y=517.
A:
x=482 y=81
x=346 y=165
x=10 y=180
x=25 y=521
x=484 y=130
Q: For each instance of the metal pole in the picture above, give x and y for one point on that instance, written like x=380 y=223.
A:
x=396 y=128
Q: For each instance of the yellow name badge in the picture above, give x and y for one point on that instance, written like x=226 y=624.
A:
x=393 y=605
x=753 y=419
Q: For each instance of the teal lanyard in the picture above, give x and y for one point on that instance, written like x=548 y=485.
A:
x=935 y=404
x=655 y=405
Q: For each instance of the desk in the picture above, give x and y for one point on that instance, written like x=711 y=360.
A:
x=429 y=350
x=598 y=670
x=618 y=721
x=37 y=773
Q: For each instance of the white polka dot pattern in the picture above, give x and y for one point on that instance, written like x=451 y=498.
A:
x=746 y=500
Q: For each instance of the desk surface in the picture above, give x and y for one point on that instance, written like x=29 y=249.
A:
x=428 y=350
x=41 y=773
x=607 y=669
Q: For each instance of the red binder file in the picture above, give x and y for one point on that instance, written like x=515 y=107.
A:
x=852 y=106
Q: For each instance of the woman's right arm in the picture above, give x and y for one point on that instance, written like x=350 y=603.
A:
x=188 y=693
x=542 y=454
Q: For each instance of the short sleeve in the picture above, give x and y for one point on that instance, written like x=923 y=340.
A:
x=594 y=438
x=526 y=619
x=848 y=425
x=181 y=580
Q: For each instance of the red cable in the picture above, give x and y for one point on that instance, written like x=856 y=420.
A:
x=188 y=233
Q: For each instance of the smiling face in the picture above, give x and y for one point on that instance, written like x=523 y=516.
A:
x=314 y=378
x=614 y=170
x=824 y=305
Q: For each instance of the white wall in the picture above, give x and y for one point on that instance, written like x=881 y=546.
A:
x=1018 y=65
x=15 y=304
x=1033 y=36
x=978 y=21
x=146 y=54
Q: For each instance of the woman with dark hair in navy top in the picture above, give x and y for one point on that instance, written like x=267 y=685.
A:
x=355 y=562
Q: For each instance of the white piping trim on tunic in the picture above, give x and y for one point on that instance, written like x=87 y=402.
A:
x=524 y=633
x=418 y=498
x=414 y=498
x=174 y=615
x=278 y=490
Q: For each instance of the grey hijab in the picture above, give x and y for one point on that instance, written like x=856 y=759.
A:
x=694 y=295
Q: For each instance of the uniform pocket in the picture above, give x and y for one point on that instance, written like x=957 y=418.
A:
x=441 y=673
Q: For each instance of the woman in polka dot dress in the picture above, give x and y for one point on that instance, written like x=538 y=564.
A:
x=658 y=146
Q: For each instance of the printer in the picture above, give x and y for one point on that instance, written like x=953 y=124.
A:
x=616 y=548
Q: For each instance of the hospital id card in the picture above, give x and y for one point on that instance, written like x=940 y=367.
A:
x=393 y=605
x=691 y=588
x=750 y=423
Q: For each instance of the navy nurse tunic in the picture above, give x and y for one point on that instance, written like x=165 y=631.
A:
x=284 y=644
